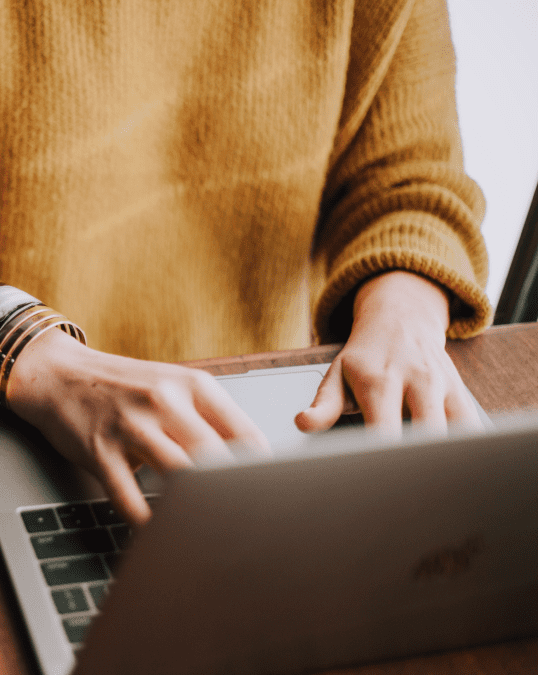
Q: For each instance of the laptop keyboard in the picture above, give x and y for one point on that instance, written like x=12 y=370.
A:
x=77 y=547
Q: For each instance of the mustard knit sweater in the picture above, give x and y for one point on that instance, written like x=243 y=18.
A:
x=190 y=179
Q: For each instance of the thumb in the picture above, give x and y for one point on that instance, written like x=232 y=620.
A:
x=331 y=400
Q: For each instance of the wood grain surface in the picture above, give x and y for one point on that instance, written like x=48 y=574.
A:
x=501 y=369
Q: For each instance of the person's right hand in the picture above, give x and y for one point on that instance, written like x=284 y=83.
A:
x=111 y=414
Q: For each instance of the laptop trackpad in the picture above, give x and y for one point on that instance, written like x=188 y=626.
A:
x=273 y=400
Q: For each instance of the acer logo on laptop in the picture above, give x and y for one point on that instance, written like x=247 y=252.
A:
x=450 y=561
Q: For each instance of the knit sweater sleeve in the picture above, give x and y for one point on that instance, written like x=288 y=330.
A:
x=397 y=196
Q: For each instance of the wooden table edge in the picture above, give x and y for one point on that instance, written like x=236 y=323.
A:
x=232 y=365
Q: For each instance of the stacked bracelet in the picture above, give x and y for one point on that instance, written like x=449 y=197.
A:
x=22 y=325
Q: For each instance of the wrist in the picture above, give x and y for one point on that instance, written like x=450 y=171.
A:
x=400 y=292
x=36 y=370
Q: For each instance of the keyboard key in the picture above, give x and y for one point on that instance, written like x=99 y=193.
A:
x=76 y=626
x=70 y=600
x=74 y=516
x=106 y=514
x=41 y=520
x=98 y=593
x=72 y=543
x=74 y=571
x=121 y=535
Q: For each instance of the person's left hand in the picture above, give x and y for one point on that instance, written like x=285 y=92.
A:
x=394 y=359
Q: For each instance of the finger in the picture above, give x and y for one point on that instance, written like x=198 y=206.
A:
x=229 y=420
x=156 y=449
x=198 y=439
x=427 y=405
x=381 y=406
x=122 y=488
x=460 y=408
x=459 y=405
x=329 y=403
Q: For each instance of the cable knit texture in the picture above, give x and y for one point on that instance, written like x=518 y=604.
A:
x=191 y=179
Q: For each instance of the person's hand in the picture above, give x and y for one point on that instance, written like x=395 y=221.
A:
x=112 y=414
x=394 y=359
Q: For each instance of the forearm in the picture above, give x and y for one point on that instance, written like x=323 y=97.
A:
x=415 y=292
x=397 y=196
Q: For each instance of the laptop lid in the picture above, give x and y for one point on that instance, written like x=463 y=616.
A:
x=353 y=552
x=34 y=474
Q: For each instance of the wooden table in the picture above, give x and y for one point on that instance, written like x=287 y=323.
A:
x=501 y=369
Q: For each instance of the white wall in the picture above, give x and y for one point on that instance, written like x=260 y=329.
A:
x=496 y=44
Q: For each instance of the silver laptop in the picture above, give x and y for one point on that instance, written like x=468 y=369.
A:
x=47 y=503
x=471 y=554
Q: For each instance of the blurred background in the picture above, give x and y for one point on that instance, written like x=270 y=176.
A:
x=496 y=44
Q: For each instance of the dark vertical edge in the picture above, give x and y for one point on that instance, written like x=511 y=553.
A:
x=519 y=298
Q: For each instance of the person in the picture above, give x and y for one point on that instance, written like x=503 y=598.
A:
x=189 y=180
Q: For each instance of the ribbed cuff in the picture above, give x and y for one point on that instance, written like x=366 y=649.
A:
x=416 y=242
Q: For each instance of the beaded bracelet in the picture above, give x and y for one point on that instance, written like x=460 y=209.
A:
x=22 y=326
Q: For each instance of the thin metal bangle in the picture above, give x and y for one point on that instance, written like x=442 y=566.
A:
x=23 y=331
x=12 y=329
x=19 y=338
